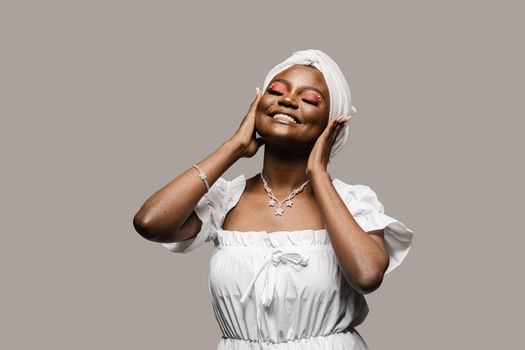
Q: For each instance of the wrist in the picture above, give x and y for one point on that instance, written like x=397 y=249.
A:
x=234 y=148
x=318 y=173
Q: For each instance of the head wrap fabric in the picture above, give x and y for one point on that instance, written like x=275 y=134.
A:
x=340 y=97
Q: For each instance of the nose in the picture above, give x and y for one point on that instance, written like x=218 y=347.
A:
x=286 y=101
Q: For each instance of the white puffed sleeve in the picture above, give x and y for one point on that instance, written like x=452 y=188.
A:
x=210 y=210
x=368 y=211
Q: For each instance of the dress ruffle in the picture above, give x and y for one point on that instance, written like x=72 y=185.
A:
x=361 y=201
x=211 y=209
x=265 y=286
x=369 y=213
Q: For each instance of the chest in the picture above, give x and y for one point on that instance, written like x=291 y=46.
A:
x=254 y=212
x=279 y=274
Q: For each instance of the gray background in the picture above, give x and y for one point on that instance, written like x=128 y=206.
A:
x=104 y=102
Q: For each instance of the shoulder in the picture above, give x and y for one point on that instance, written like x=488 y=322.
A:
x=223 y=184
x=353 y=191
x=369 y=213
x=224 y=190
x=359 y=197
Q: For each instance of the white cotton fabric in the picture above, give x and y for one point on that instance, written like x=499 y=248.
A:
x=284 y=289
x=340 y=97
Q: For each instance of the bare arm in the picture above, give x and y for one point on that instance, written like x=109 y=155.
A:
x=168 y=215
x=163 y=217
x=361 y=255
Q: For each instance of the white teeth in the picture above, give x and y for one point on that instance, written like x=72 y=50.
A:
x=284 y=116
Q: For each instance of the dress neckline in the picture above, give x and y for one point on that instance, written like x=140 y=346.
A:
x=264 y=232
x=239 y=185
x=274 y=239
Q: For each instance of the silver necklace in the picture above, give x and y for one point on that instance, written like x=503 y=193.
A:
x=288 y=200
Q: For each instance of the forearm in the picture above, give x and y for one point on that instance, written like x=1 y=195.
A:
x=167 y=209
x=361 y=260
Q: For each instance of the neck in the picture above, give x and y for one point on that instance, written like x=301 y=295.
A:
x=284 y=171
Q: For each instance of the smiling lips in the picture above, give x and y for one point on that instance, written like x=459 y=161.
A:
x=288 y=118
x=284 y=117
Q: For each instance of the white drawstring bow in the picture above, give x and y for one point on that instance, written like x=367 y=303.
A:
x=269 y=285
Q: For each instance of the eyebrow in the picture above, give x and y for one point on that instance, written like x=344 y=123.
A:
x=284 y=81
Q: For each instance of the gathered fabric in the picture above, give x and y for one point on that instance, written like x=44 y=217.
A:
x=340 y=97
x=284 y=290
x=276 y=258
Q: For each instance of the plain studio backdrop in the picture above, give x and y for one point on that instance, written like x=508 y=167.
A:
x=105 y=102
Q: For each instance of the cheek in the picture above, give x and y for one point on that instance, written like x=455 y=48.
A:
x=318 y=117
x=324 y=117
x=260 y=113
x=263 y=105
x=264 y=102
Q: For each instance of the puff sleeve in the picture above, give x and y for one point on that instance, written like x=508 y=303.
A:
x=369 y=213
x=209 y=209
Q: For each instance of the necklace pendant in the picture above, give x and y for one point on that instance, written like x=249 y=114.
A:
x=288 y=201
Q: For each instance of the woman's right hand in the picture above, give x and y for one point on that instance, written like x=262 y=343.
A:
x=245 y=136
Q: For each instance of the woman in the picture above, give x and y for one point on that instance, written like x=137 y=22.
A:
x=296 y=250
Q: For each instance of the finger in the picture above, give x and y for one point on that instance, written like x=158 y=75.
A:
x=343 y=121
x=333 y=136
x=342 y=124
x=337 y=126
x=331 y=141
x=330 y=127
x=347 y=119
x=328 y=131
x=257 y=98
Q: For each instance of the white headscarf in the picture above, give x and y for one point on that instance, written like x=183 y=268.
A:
x=340 y=98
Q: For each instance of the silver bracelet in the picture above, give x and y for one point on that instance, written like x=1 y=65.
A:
x=202 y=175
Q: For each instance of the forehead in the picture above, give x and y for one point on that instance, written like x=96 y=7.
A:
x=300 y=75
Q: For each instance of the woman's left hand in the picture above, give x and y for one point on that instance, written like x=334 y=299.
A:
x=320 y=154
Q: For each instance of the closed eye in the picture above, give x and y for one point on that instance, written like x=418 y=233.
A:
x=310 y=102
x=278 y=93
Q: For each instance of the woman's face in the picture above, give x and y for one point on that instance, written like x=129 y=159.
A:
x=300 y=92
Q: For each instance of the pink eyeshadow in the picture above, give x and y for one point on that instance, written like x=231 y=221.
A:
x=279 y=87
x=313 y=96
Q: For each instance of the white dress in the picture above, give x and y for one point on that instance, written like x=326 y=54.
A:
x=284 y=289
